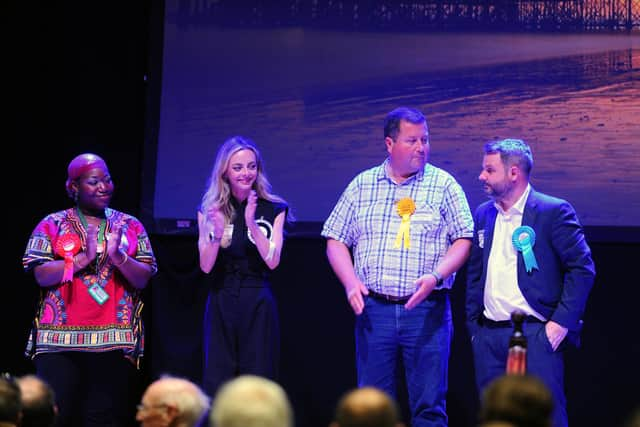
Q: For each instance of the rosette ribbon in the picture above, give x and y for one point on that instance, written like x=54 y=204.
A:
x=405 y=207
x=67 y=246
x=523 y=240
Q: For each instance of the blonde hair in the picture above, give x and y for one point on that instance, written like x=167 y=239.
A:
x=218 y=191
x=251 y=401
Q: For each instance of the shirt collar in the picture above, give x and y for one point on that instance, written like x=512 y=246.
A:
x=518 y=207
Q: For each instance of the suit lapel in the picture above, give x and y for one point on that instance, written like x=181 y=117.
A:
x=530 y=209
x=528 y=218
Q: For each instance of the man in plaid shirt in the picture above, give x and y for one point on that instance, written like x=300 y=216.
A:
x=409 y=227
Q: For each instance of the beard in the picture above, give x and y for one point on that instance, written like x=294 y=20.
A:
x=497 y=191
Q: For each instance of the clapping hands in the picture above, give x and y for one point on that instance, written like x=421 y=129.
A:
x=113 y=242
x=250 y=210
x=211 y=222
x=92 y=242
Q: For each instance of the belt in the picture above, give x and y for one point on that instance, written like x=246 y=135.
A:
x=392 y=299
x=484 y=321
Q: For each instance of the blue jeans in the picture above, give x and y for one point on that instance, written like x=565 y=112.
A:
x=422 y=337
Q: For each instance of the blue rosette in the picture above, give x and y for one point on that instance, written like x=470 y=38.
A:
x=523 y=240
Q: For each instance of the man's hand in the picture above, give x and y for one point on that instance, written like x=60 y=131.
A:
x=425 y=284
x=555 y=333
x=354 y=296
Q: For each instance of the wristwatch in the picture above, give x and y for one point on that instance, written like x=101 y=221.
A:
x=438 y=277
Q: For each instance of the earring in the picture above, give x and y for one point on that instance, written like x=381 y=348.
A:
x=75 y=197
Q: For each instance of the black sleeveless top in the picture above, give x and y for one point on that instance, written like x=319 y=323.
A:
x=240 y=265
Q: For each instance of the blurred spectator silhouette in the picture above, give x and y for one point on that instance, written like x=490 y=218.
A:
x=10 y=402
x=366 y=407
x=174 y=402
x=633 y=420
x=516 y=401
x=38 y=402
x=251 y=401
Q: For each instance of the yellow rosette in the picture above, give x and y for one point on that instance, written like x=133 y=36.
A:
x=405 y=207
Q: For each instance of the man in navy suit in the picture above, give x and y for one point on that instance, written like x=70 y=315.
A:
x=529 y=254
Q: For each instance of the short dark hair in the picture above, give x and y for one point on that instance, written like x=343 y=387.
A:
x=393 y=119
x=512 y=151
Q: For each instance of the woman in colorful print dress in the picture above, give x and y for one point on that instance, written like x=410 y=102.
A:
x=91 y=263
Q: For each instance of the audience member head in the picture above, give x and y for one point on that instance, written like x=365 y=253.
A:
x=521 y=400
x=633 y=420
x=251 y=401
x=366 y=407
x=38 y=402
x=172 y=401
x=10 y=401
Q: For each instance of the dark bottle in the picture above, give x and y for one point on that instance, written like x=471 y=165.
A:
x=517 y=357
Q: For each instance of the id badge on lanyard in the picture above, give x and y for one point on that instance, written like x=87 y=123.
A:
x=98 y=294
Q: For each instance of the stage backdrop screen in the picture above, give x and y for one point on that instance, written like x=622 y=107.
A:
x=314 y=99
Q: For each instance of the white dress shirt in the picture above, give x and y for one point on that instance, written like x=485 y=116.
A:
x=502 y=295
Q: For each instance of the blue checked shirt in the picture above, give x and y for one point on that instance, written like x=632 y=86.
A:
x=366 y=219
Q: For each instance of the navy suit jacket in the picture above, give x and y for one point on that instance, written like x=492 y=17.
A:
x=559 y=288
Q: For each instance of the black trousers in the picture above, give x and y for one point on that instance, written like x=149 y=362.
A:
x=92 y=389
x=241 y=335
x=490 y=347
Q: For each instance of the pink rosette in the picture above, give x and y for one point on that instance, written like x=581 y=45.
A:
x=67 y=246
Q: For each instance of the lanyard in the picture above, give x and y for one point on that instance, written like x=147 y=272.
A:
x=103 y=225
x=95 y=290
